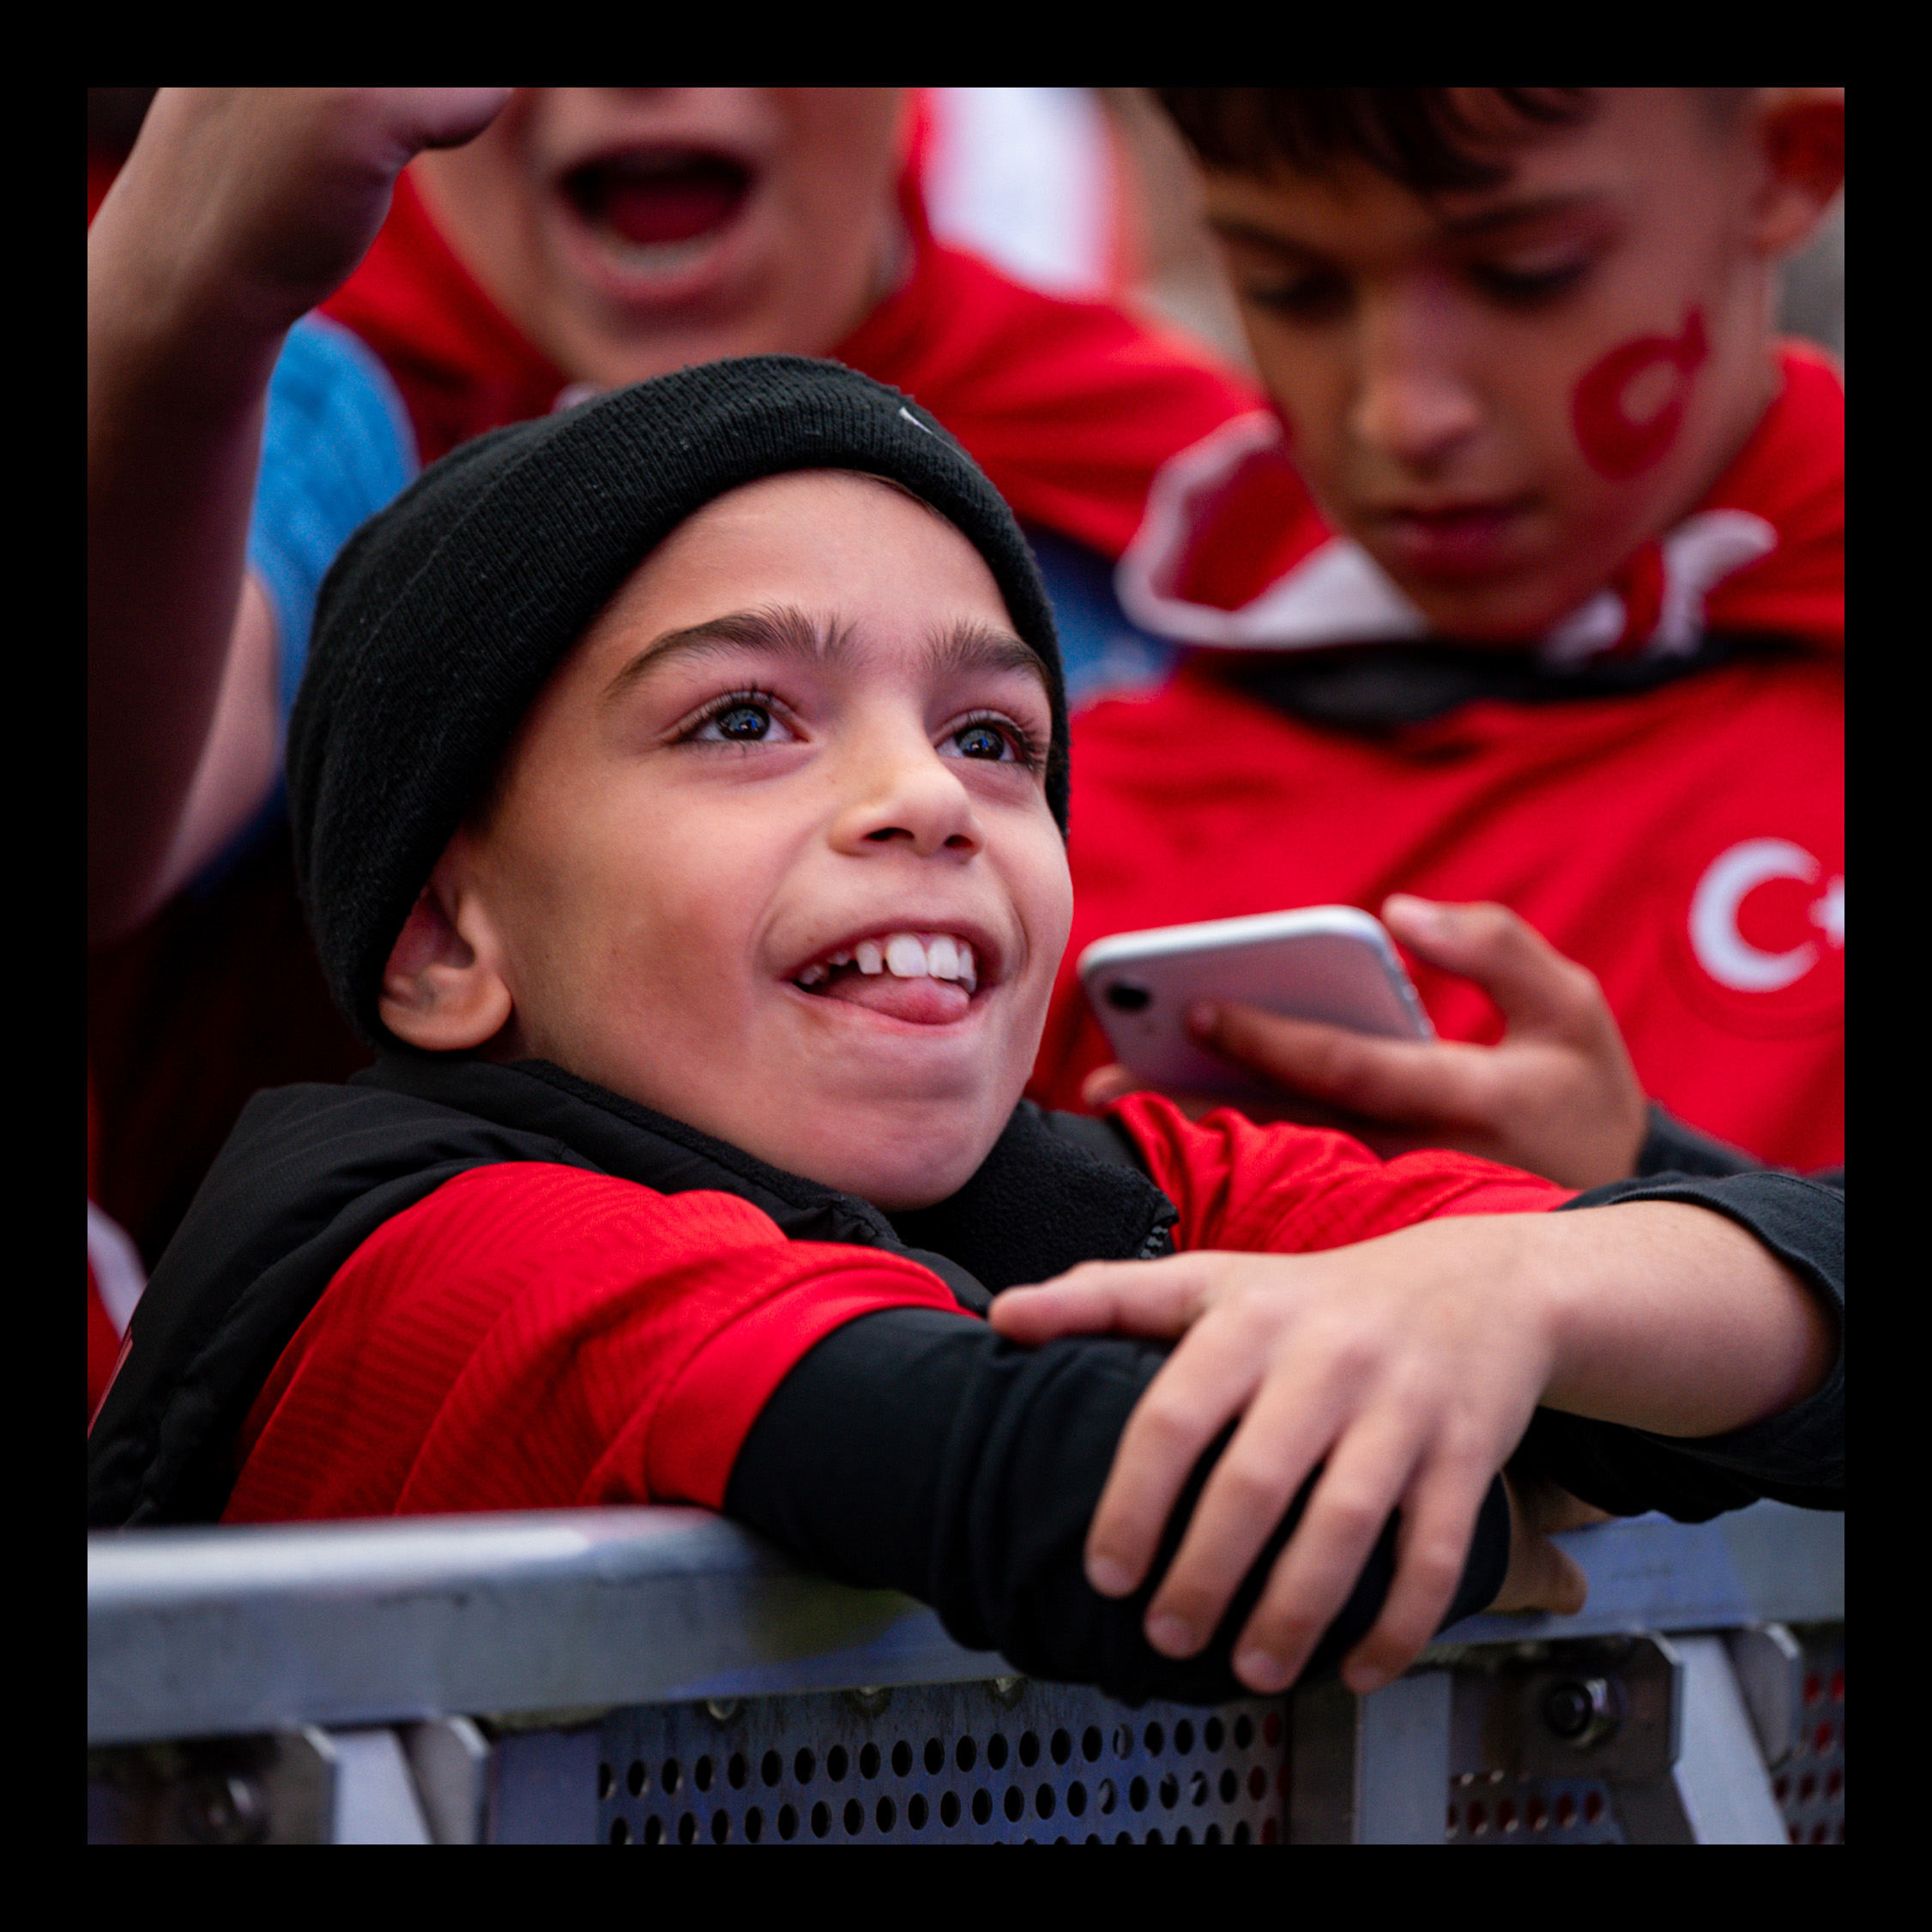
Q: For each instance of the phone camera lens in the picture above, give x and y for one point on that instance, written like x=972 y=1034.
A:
x=1127 y=996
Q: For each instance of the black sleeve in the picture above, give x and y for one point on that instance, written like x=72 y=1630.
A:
x=1671 y=1148
x=914 y=1450
x=1795 y=1457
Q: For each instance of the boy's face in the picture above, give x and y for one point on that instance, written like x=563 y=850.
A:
x=633 y=231
x=803 y=741
x=1501 y=393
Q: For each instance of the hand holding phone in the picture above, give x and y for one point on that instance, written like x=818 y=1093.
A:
x=1557 y=1096
x=1335 y=965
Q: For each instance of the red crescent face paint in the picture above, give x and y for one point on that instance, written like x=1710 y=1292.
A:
x=1617 y=445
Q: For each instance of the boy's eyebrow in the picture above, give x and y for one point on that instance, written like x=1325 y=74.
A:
x=789 y=632
x=786 y=631
x=1257 y=237
x=979 y=647
x=1509 y=214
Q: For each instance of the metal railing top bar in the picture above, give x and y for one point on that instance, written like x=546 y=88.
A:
x=200 y=1632
x=1769 y=1564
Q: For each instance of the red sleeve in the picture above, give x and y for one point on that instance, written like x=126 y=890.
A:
x=533 y=1337
x=1290 y=1189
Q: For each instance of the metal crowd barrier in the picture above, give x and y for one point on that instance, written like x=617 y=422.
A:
x=630 y=1677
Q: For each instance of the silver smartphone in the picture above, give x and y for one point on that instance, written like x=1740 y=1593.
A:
x=1334 y=964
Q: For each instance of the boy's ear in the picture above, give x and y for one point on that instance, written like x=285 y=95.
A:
x=1800 y=132
x=442 y=989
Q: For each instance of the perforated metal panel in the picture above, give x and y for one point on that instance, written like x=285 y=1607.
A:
x=1005 y=1763
x=1488 y=1807
x=1809 y=1786
x=1493 y=1808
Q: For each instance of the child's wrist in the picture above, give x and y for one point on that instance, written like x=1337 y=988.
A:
x=1671 y=1318
x=189 y=286
x=1587 y=1281
x=163 y=316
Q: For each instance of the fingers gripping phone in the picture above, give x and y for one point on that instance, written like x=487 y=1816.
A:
x=1334 y=963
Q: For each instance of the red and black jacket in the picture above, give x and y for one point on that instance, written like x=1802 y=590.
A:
x=830 y=1387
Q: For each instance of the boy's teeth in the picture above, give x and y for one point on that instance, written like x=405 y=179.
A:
x=905 y=957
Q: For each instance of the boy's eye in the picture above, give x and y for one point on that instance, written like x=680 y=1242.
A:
x=742 y=720
x=1312 y=297
x=981 y=741
x=1528 y=284
x=996 y=741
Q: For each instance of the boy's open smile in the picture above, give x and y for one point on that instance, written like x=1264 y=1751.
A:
x=927 y=978
x=772 y=853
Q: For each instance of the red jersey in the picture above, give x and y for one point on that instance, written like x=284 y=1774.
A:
x=1686 y=843
x=530 y=1336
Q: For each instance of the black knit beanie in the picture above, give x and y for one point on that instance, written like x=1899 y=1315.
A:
x=444 y=614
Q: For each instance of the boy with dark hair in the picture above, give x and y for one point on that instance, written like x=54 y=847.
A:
x=1530 y=588
x=679 y=787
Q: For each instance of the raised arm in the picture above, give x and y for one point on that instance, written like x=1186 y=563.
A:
x=237 y=212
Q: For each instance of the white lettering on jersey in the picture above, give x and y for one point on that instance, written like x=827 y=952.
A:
x=1723 y=951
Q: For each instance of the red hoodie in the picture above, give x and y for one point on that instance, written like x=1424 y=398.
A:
x=1686 y=843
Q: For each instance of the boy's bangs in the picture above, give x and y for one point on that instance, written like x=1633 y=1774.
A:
x=1429 y=139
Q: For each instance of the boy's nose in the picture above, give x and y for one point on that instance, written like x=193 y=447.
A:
x=906 y=795
x=1418 y=418
x=1411 y=402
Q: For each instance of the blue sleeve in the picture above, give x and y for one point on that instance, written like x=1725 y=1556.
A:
x=1103 y=651
x=337 y=446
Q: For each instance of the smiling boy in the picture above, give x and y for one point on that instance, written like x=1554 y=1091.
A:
x=880 y=967
x=1530 y=589
x=680 y=785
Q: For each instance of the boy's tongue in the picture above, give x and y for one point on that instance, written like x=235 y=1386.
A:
x=923 y=1002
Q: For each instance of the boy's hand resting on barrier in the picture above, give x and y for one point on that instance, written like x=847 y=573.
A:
x=1558 y=1097
x=1542 y=1577
x=1409 y=1365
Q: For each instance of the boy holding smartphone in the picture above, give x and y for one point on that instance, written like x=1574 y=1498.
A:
x=1529 y=590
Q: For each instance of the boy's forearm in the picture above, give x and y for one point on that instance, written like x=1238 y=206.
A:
x=920 y=1451
x=1671 y=1318
x=239 y=209
x=178 y=365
